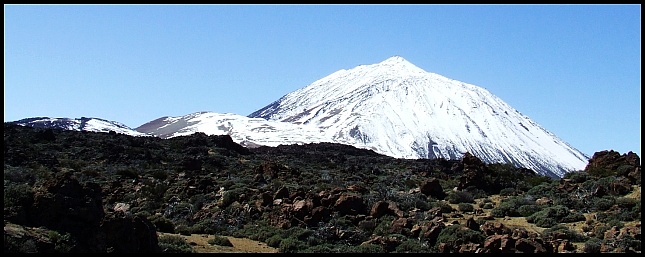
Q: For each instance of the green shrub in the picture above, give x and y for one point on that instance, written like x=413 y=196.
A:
x=550 y=216
x=205 y=226
x=460 y=197
x=599 y=231
x=624 y=170
x=486 y=203
x=458 y=234
x=626 y=202
x=298 y=233
x=621 y=214
x=636 y=210
x=529 y=209
x=542 y=190
x=592 y=245
x=62 y=242
x=510 y=207
x=259 y=231
x=291 y=245
x=369 y=248
x=614 y=185
x=477 y=193
x=444 y=206
x=628 y=242
x=465 y=207
x=573 y=217
x=342 y=248
x=507 y=191
x=183 y=229
x=368 y=225
x=560 y=229
x=409 y=201
x=543 y=221
x=140 y=212
x=577 y=176
x=174 y=244
x=17 y=195
x=615 y=223
x=228 y=198
x=274 y=241
x=412 y=246
x=19 y=175
x=383 y=228
x=323 y=248
x=603 y=203
x=162 y=223
x=313 y=240
x=538 y=180
x=220 y=240
x=600 y=172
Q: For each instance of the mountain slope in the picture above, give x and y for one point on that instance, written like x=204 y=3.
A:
x=78 y=124
x=400 y=110
x=249 y=132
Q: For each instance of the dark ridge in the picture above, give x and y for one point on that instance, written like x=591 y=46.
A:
x=317 y=148
x=268 y=109
x=147 y=127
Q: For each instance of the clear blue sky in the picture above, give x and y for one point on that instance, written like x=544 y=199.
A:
x=573 y=69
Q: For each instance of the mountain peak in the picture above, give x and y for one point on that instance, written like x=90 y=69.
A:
x=398 y=64
x=394 y=60
x=398 y=109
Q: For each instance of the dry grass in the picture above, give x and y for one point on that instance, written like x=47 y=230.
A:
x=511 y=222
x=200 y=244
x=636 y=192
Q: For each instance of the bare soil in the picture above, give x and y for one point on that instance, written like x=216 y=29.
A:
x=200 y=244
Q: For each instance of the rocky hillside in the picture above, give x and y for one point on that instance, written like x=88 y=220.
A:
x=76 y=191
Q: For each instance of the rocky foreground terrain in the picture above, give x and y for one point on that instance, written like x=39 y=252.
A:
x=86 y=192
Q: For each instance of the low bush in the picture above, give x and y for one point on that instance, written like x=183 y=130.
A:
x=458 y=234
x=553 y=215
x=561 y=230
x=220 y=240
x=412 y=246
x=510 y=207
x=291 y=245
x=460 y=197
x=162 y=223
x=592 y=245
x=507 y=191
x=274 y=241
x=465 y=207
x=183 y=230
x=529 y=209
x=18 y=195
x=174 y=244
x=603 y=203
x=444 y=206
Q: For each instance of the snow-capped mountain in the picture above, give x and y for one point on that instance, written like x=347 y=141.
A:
x=79 y=124
x=401 y=110
x=394 y=108
x=249 y=132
